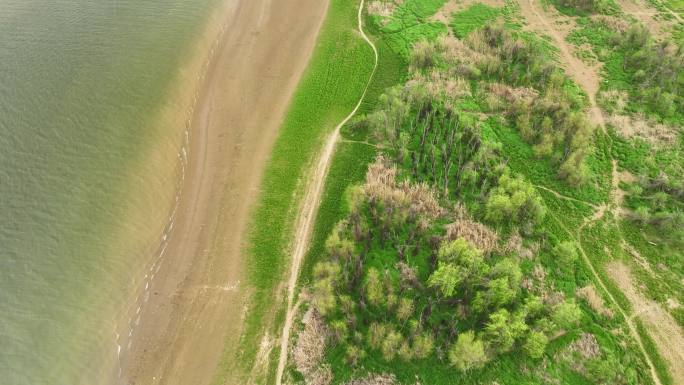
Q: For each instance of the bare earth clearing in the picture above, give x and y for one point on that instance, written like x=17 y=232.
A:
x=647 y=15
x=195 y=303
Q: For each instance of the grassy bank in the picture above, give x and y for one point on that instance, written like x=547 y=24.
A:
x=329 y=89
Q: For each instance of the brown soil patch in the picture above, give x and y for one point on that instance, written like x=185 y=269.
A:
x=383 y=8
x=551 y=23
x=194 y=305
x=617 y=194
x=589 y=294
x=657 y=134
x=659 y=323
x=444 y=14
x=638 y=258
x=647 y=15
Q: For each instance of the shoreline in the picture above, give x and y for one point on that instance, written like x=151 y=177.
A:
x=192 y=299
x=191 y=75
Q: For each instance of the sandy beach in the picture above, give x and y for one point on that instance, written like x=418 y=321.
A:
x=194 y=304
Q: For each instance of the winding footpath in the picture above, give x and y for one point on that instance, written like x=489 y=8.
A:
x=309 y=209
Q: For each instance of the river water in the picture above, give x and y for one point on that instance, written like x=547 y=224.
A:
x=92 y=120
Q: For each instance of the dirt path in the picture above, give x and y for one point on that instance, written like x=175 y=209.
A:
x=586 y=76
x=309 y=209
x=674 y=14
x=660 y=325
x=192 y=303
x=567 y=198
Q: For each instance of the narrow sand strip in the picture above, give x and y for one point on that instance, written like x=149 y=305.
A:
x=194 y=302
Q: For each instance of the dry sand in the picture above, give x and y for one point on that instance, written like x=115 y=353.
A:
x=195 y=308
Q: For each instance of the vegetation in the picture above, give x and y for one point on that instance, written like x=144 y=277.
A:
x=643 y=79
x=473 y=251
x=585 y=7
x=650 y=72
x=473 y=18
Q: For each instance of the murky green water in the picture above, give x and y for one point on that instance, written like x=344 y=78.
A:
x=88 y=171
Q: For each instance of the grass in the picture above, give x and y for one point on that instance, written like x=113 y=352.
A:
x=329 y=89
x=472 y=18
x=660 y=366
x=410 y=23
x=352 y=155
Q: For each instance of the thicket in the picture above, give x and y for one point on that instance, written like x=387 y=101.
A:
x=407 y=279
x=410 y=273
x=447 y=258
x=650 y=71
x=656 y=69
x=519 y=78
x=658 y=202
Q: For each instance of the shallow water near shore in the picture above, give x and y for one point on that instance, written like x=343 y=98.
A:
x=91 y=138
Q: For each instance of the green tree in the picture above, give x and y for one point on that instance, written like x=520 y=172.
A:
x=423 y=344
x=374 y=289
x=390 y=345
x=405 y=308
x=467 y=352
x=566 y=255
x=376 y=334
x=502 y=286
x=535 y=344
x=514 y=200
x=446 y=279
x=503 y=329
x=460 y=265
x=353 y=354
x=327 y=275
x=566 y=314
x=460 y=251
x=339 y=329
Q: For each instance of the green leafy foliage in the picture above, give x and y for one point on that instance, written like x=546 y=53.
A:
x=410 y=23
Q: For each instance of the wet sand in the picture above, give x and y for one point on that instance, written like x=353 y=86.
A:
x=193 y=303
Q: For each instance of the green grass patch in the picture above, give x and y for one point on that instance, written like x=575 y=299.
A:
x=472 y=18
x=410 y=23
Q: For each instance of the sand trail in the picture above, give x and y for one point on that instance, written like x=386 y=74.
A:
x=193 y=310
